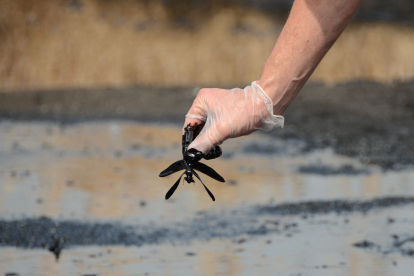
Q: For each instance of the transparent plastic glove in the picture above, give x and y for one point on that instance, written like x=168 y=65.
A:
x=230 y=114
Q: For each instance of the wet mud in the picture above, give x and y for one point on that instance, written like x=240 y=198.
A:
x=79 y=105
x=404 y=247
x=370 y=121
x=238 y=225
x=327 y=170
x=79 y=178
x=336 y=206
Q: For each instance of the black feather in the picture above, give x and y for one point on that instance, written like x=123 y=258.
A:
x=208 y=171
x=174 y=167
x=173 y=188
x=208 y=191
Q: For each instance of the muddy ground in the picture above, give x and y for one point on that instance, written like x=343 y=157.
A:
x=330 y=194
x=370 y=121
x=56 y=235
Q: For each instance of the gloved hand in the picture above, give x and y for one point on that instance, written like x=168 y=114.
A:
x=230 y=114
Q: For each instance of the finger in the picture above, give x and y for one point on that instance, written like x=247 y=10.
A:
x=210 y=136
x=192 y=121
x=202 y=143
x=197 y=113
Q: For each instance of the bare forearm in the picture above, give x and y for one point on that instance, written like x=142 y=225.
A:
x=311 y=29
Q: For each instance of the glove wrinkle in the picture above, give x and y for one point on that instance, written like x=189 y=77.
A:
x=230 y=114
x=196 y=117
x=245 y=93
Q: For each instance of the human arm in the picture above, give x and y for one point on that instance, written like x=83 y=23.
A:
x=312 y=28
x=310 y=31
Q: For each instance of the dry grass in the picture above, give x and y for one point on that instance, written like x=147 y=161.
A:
x=50 y=44
x=374 y=52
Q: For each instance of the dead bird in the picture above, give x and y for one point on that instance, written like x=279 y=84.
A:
x=190 y=162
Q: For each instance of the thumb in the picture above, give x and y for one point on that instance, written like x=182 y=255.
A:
x=204 y=109
x=210 y=136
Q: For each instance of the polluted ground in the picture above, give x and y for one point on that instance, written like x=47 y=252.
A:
x=331 y=193
x=80 y=194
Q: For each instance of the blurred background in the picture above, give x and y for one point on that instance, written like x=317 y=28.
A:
x=93 y=95
x=48 y=44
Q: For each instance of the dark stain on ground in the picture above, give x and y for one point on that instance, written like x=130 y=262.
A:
x=365 y=244
x=55 y=236
x=334 y=206
x=390 y=220
x=138 y=103
x=400 y=246
x=56 y=246
x=262 y=149
x=370 y=121
x=326 y=170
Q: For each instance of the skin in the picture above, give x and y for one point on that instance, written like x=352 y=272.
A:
x=312 y=28
x=310 y=31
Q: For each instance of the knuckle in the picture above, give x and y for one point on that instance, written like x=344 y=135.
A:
x=203 y=92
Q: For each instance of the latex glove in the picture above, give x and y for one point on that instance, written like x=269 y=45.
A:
x=230 y=114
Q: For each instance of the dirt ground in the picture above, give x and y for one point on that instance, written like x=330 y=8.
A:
x=80 y=192
x=370 y=121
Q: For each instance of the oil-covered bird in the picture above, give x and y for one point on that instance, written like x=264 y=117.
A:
x=190 y=162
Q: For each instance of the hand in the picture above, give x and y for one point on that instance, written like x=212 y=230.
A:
x=230 y=114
